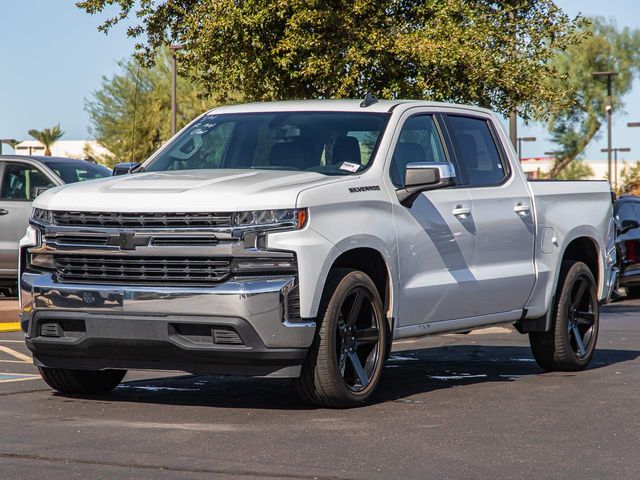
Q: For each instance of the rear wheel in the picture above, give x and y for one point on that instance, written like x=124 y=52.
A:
x=570 y=343
x=345 y=362
x=82 y=381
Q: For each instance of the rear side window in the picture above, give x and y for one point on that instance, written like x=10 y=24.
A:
x=477 y=151
x=23 y=182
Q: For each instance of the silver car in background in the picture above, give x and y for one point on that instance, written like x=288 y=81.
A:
x=23 y=178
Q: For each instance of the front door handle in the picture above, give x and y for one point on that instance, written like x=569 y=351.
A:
x=3 y=211
x=461 y=211
x=521 y=209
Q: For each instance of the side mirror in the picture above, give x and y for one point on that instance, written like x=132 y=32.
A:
x=627 y=225
x=125 y=168
x=420 y=177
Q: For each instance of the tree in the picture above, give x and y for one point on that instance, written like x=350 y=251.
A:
x=47 y=137
x=577 y=170
x=604 y=48
x=630 y=179
x=490 y=53
x=130 y=113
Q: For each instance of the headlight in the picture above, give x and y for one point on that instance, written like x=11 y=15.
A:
x=42 y=216
x=293 y=217
x=265 y=265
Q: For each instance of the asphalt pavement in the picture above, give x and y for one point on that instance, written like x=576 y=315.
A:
x=470 y=406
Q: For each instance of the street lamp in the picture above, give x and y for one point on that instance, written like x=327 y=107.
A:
x=174 y=102
x=615 y=153
x=609 y=76
x=8 y=141
x=633 y=124
x=520 y=140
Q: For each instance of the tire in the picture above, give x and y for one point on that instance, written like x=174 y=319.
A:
x=570 y=343
x=346 y=359
x=84 y=382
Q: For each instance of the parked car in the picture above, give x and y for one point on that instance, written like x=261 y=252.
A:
x=626 y=211
x=22 y=179
x=300 y=239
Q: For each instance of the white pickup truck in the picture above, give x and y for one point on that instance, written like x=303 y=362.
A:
x=299 y=239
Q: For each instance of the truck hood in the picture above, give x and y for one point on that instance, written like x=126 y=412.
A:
x=184 y=191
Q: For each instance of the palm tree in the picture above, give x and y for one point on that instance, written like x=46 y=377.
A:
x=47 y=137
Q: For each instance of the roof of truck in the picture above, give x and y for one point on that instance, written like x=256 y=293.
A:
x=347 y=105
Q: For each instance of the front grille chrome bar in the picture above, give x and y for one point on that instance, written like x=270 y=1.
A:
x=142 y=220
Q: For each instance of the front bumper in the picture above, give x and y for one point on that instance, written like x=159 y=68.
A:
x=239 y=327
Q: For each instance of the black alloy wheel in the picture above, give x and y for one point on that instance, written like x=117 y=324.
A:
x=346 y=359
x=357 y=339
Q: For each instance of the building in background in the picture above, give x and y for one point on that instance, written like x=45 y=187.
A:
x=80 y=149
x=537 y=167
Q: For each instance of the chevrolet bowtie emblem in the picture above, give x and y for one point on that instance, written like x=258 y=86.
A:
x=128 y=240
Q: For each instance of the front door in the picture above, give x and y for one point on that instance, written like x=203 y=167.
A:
x=19 y=185
x=435 y=236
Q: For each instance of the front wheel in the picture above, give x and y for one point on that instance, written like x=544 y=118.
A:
x=85 y=382
x=570 y=343
x=345 y=361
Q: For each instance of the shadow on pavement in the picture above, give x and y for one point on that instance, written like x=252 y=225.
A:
x=407 y=373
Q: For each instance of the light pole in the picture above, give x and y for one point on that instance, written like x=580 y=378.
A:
x=520 y=140
x=609 y=76
x=174 y=101
x=633 y=124
x=615 y=156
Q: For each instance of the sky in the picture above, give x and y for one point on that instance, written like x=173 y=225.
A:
x=52 y=57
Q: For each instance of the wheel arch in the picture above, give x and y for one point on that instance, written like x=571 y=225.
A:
x=585 y=249
x=372 y=260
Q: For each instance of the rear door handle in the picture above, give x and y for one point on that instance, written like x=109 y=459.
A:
x=3 y=211
x=522 y=209
x=461 y=211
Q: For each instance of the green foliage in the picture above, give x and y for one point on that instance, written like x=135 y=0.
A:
x=577 y=170
x=605 y=48
x=630 y=179
x=131 y=112
x=491 y=53
x=47 y=137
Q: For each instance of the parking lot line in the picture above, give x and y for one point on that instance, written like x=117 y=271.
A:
x=17 y=377
x=2 y=340
x=10 y=327
x=14 y=354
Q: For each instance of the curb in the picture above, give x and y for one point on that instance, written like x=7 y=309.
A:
x=10 y=327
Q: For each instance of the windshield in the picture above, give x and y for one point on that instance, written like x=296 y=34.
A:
x=332 y=143
x=72 y=172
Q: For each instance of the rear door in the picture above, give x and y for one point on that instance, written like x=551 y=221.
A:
x=19 y=183
x=502 y=213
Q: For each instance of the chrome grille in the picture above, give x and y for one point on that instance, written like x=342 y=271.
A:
x=141 y=220
x=141 y=270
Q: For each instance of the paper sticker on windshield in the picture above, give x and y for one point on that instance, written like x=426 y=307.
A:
x=350 y=167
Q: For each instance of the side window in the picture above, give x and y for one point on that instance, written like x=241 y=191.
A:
x=22 y=182
x=419 y=142
x=477 y=150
